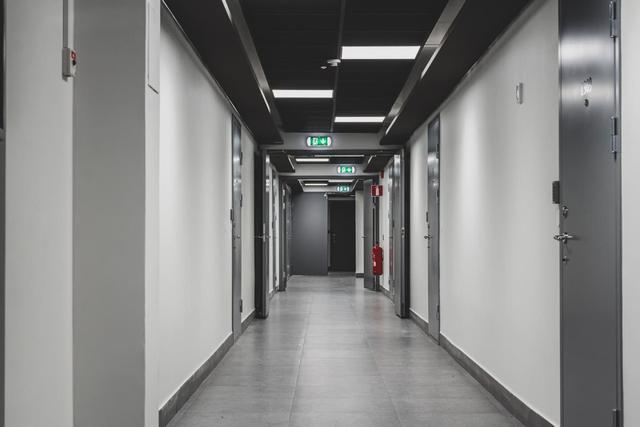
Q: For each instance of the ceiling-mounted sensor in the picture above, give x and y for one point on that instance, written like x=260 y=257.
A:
x=334 y=62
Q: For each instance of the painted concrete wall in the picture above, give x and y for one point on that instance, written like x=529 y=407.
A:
x=309 y=224
x=419 y=265
x=248 y=226
x=274 y=229
x=499 y=267
x=384 y=204
x=194 y=297
x=38 y=359
x=360 y=254
x=631 y=209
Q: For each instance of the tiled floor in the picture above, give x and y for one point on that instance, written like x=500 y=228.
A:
x=333 y=354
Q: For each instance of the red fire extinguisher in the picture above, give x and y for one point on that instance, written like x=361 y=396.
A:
x=376 y=254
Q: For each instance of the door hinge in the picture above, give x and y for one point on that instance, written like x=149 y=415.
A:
x=615 y=130
x=614 y=22
x=617 y=418
x=438 y=312
x=241 y=306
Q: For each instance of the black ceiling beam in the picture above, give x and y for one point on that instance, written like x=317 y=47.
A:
x=219 y=45
x=478 y=24
x=282 y=162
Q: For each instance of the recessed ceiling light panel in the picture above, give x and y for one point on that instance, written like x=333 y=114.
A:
x=380 y=52
x=359 y=119
x=312 y=159
x=303 y=93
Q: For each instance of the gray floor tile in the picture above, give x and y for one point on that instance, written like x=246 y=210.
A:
x=332 y=354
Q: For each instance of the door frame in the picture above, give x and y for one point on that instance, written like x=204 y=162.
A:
x=433 y=234
x=261 y=239
x=400 y=244
x=617 y=413
x=236 y=227
x=3 y=181
x=285 y=200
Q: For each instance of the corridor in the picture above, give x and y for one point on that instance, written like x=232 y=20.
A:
x=334 y=354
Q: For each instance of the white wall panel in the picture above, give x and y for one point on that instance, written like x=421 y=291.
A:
x=195 y=198
x=39 y=188
x=419 y=262
x=499 y=263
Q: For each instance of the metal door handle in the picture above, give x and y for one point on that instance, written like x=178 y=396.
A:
x=564 y=237
x=428 y=237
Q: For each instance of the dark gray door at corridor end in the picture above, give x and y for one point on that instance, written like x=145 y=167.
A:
x=433 y=225
x=370 y=237
x=236 y=226
x=590 y=215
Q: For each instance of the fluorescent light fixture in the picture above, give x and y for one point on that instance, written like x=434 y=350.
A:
x=380 y=52
x=340 y=181
x=312 y=159
x=303 y=93
x=359 y=119
x=316 y=184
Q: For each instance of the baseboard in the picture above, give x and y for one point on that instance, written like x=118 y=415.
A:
x=177 y=401
x=418 y=320
x=360 y=275
x=385 y=292
x=246 y=322
x=515 y=406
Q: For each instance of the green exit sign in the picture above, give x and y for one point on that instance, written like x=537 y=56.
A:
x=346 y=170
x=344 y=189
x=319 y=141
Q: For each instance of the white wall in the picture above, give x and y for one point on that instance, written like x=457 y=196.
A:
x=631 y=208
x=194 y=297
x=499 y=268
x=248 y=226
x=38 y=359
x=419 y=265
x=359 y=232
x=383 y=224
x=274 y=229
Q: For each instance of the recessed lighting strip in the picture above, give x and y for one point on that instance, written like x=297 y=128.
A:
x=302 y=93
x=312 y=159
x=380 y=52
x=359 y=119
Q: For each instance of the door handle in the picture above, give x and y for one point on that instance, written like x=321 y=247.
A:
x=564 y=237
x=428 y=237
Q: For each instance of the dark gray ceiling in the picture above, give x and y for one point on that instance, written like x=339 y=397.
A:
x=294 y=38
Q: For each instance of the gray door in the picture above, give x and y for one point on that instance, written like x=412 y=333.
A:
x=590 y=216
x=284 y=227
x=369 y=238
x=261 y=246
x=433 y=226
x=289 y=237
x=236 y=226
x=273 y=234
x=397 y=265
